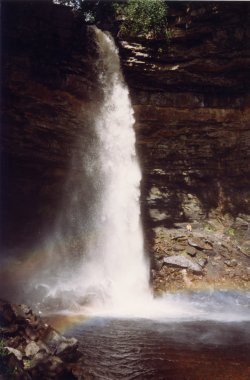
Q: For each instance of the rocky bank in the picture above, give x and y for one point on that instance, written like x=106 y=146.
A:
x=191 y=100
x=31 y=349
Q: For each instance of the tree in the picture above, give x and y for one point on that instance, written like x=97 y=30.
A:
x=143 y=18
x=94 y=11
x=138 y=18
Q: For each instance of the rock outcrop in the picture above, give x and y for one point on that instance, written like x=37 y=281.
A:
x=191 y=102
x=31 y=349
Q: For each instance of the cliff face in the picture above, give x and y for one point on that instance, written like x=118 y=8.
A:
x=49 y=91
x=191 y=103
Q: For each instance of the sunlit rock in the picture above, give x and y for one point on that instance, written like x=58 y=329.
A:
x=182 y=262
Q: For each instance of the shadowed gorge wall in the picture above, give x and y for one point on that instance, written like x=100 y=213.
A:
x=191 y=101
x=49 y=91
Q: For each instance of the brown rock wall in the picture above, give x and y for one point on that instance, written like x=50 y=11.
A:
x=191 y=102
x=49 y=91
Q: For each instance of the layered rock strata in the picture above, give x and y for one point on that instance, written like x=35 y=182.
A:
x=191 y=102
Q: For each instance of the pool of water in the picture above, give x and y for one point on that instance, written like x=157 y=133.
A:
x=143 y=349
x=208 y=340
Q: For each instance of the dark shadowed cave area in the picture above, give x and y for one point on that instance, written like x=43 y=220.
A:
x=48 y=90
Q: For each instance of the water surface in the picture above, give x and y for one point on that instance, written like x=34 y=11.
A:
x=144 y=349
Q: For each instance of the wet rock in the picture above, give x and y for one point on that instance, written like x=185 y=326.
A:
x=11 y=367
x=8 y=331
x=35 y=349
x=7 y=314
x=78 y=371
x=47 y=366
x=22 y=311
x=32 y=333
x=182 y=262
x=31 y=349
x=67 y=350
x=15 y=352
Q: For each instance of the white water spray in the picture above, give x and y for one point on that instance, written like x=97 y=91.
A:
x=115 y=271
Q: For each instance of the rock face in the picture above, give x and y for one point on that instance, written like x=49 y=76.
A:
x=49 y=91
x=191 y=101
x=201 y=258
x=192 y=105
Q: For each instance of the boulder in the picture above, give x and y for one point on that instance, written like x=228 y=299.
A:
x=182 y=262
x=67 y=349
x=196 y=243
x=15 y=352
x=31 y=349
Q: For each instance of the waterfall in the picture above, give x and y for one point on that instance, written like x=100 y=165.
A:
x=115 y=270
x=110 y=275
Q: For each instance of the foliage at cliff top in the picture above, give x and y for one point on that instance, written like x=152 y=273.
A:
x=136 y=18
x=143 y=18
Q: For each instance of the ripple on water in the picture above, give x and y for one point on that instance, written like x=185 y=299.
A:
x=142 y=349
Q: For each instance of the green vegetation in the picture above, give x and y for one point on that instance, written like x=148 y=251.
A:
x=143 y=18
x=3 y=351
x=209 y=228
x=5 y=370
x=27 y=363
x=3 y=355
x=135 y=18
x=231 y=232
x=93 y=11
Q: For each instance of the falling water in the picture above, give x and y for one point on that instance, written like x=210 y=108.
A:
x=115 y=270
